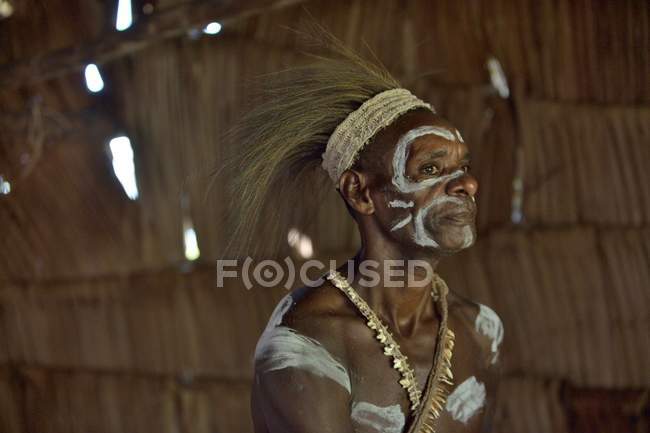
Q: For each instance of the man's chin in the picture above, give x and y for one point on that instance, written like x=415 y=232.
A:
x=456 y=239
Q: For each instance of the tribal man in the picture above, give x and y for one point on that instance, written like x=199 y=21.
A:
x=347 y=355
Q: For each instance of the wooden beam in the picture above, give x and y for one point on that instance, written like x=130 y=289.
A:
x=150 y=30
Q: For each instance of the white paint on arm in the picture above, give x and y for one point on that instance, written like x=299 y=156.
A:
x=282 y=347
x=389 y=419
x=278 y=313
x=489 y=324
x=466 y=400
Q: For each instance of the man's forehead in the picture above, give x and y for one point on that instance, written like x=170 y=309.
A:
x=418 y=118
x=432 y=131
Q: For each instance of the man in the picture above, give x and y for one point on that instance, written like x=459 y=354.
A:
x=322 y=364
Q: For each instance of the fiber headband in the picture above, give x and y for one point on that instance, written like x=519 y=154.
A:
x=351 y=135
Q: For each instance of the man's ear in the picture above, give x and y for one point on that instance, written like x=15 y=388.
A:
x=353 y=186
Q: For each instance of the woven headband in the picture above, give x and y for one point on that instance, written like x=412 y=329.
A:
x=351 y=135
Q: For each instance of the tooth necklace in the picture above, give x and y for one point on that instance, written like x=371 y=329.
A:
x=440 y=375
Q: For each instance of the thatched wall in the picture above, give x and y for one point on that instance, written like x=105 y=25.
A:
x=104 y=328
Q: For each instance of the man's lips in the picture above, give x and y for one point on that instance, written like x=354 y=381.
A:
x=461 y=215
x=462 y=218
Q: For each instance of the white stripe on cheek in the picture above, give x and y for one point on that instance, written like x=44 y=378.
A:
x=422 y=236
x=402 y=223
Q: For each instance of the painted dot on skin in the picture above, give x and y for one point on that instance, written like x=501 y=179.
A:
x=489 y=324
x=466 y=400
x=389 y=419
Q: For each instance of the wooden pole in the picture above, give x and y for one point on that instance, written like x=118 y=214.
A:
x=166 y=24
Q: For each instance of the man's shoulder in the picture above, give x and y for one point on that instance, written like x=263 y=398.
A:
x=479 y=321
x=320 y=312
x=318 y=303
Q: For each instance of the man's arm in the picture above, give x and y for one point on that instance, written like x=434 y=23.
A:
x=294 y=400
x=301 y=382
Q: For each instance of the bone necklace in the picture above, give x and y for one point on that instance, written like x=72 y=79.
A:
x=440 y=375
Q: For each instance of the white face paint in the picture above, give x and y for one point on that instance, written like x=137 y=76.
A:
x=388 y=419
x=466 y=400
x=283 y=347
x=401 y=204
x=422 y=235
x=468 y=237
x=489 y=324
x=403 y=183
x=402 y=223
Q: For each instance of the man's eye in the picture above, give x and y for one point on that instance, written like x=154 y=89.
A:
x=429 y=169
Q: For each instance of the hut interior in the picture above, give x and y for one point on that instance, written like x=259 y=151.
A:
x=109 y=322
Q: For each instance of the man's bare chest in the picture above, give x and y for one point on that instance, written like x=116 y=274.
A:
x=379 y=402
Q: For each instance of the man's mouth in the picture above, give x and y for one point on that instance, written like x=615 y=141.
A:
x=459 y=216
x=460 y=219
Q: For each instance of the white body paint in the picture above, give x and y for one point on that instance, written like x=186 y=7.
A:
x=402 y=223
x=400 y=203
x=466 y=400
x=283 y=347
x=489 y=324
x=388 y=419
x=278 y=313
x=460 y=137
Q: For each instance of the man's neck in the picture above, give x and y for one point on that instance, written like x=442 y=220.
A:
x=400 y=290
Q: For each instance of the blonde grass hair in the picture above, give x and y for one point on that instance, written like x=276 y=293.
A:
x=278 y=178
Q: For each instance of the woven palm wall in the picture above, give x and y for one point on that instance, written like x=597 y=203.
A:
x=103 y=327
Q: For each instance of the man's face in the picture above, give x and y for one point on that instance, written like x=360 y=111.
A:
x=426 y=200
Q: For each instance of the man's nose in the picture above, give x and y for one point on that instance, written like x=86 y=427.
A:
x=465 y=185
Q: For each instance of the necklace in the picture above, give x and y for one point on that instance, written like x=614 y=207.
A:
x=441 y=372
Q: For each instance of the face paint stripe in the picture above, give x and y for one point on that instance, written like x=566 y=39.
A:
x=401 y=204
x=401 y=182
x=422 y=235
x=402 y=223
